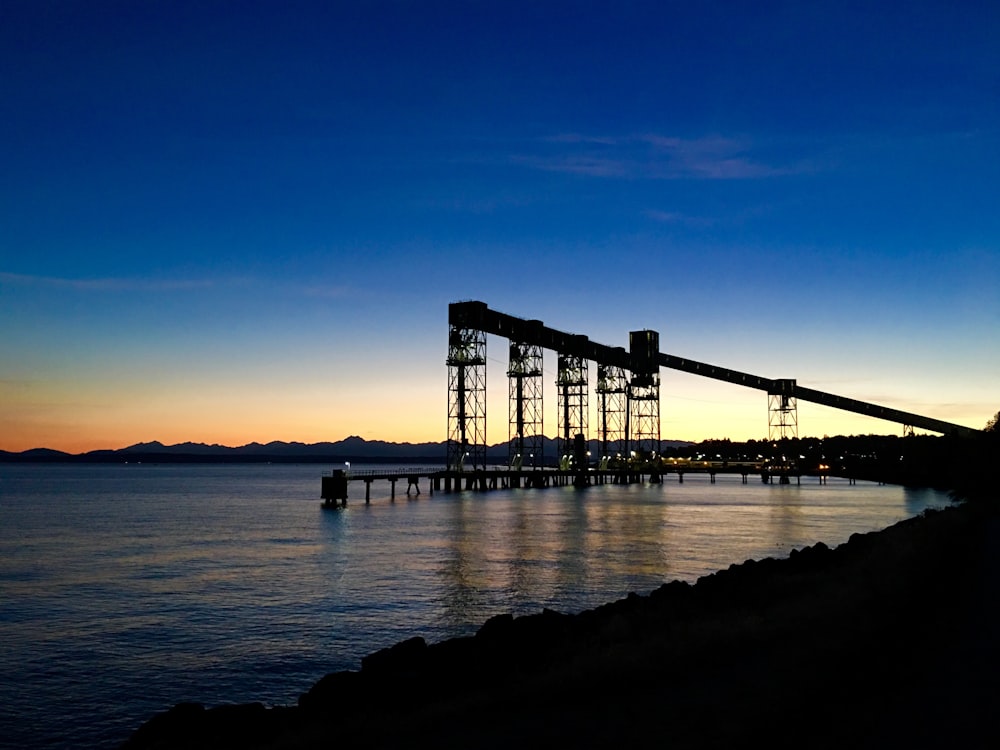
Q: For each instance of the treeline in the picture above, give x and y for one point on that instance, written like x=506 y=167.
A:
x=966 y=465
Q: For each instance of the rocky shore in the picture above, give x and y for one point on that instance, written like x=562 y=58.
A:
x=886 y=640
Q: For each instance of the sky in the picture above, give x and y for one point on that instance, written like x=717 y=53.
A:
x=229 y=222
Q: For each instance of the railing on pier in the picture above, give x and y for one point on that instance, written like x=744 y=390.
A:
x=386 y=473
x=334 y=487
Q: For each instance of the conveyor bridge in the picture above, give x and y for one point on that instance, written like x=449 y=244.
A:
x=627 y=390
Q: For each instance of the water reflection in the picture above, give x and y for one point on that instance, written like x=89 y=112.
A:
x=567 y=549
x=784 y=529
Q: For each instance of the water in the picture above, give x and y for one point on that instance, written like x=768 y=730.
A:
x=125 y=589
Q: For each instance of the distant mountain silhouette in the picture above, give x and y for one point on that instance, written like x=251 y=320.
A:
x=41 y=454
x=352 y=448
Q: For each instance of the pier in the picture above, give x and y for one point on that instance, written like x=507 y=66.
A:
x=334 y=490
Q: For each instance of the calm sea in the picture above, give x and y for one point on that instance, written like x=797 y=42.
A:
x=125 y=589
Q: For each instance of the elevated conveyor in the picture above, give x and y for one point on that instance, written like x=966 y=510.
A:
x=477 y=315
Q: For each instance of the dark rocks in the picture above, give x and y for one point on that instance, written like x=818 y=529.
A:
x=498 y=626
x=191 y=725
x=335 y=691
x=453 y=660
x=531 y=632
x=405 y=656
x=172 y=726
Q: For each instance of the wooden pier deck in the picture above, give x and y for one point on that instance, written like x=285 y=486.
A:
x=334 y=486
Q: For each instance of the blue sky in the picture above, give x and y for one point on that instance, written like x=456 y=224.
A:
x=230 y=222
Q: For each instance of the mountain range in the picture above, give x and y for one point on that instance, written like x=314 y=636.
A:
x=352 y=448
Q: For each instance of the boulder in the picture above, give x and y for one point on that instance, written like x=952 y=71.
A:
x=405 y=656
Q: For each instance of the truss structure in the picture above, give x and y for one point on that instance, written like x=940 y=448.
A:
x=612 y=398
x=572 y=404
x=644 y=394
x=524 y=380
x=466 y=398
x=644 y=415
x=782 y=411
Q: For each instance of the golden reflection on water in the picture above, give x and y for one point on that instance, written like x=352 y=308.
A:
x=533 y=548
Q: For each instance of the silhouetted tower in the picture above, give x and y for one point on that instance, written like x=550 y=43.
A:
x=612 y=387
x=524 y=375
x=572 y=402
x=782 y=411
x=644 y=393
x=466 y=388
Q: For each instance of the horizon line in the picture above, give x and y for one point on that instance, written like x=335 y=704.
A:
x=293 y=443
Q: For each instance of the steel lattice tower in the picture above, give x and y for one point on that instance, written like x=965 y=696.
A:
x=466 y=398
x=782 y=411
x=572 y=403
x=644 y=394
x=612 y=389
x=524 y=375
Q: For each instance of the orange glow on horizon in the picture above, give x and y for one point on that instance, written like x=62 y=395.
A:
x=77 y=417
x=80 y=438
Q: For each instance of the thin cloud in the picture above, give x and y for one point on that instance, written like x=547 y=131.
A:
x=15 y=384
x=730 y=218
x=675 y=217
x=107 y=284
x=582 y=164
x=580 y=138
x=656 y=157
x=666 y=217
x=323 y=292
x=477 y=206
x=112 y=284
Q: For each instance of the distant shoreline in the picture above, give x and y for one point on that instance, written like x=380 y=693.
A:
x=352 y=449
x=187 y=458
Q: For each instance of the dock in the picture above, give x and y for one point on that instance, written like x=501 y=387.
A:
x=334 y=488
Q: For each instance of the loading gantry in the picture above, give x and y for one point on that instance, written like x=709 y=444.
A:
x=524 y=374
x=612 y=413
x=644 y=394
x=572 y=382
x=469 y=322
x=782 y=410
x=466 y=398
